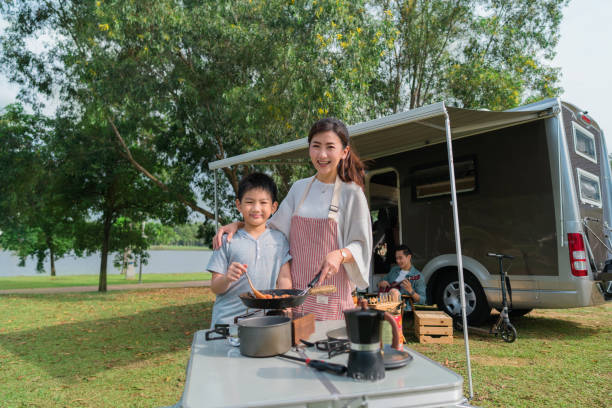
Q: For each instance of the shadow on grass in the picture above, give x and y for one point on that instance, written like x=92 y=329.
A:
x=84 y=349
x=79 y=297
x=541 y=327
x=76 y=297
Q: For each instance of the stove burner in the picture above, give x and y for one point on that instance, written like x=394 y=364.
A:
x=220 y=331
x=333 y=347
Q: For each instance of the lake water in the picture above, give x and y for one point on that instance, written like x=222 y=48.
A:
x=159 y=262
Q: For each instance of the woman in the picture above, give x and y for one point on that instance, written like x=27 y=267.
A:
x=327 y=221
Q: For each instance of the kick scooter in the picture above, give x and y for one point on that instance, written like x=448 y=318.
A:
x=502 y=326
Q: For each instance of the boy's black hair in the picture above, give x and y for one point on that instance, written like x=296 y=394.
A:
x=257 y=180
x=403 y=248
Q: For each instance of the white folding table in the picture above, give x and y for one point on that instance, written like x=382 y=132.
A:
x=219 y=376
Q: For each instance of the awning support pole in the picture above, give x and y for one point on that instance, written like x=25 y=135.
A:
x=451 y=170
x=216 y=205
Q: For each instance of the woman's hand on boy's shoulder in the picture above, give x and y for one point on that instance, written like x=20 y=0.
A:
x=229 y=229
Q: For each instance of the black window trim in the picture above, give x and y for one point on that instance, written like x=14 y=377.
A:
x=413 y=185
x=576 y=125
x=594 y=178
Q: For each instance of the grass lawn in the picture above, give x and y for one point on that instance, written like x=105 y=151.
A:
x=46 y=281
x=561 y=358
x=130 y=349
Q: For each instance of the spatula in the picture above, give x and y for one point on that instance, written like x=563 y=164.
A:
x=257 y=293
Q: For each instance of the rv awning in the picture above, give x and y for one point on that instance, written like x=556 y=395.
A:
x=398 y=133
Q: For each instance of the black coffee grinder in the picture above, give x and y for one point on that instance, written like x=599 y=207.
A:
x=363 y=327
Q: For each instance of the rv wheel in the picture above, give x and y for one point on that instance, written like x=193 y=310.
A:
x=448 y=298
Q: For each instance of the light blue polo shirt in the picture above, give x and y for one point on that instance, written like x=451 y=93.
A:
x=263 y=256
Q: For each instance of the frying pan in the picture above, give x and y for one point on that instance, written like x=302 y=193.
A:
x=296 y=296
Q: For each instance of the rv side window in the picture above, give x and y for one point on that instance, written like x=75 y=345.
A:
x=590 y=191
x=584 y=142
x=434 y=181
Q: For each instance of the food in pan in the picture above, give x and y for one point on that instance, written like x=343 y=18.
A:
x=267 y=296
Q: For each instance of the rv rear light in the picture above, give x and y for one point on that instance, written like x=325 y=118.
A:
x=580 y=265
x=586 y=119
x=576 y=243
x=577 y=254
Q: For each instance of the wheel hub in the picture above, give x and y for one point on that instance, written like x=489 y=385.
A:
x=452 y=299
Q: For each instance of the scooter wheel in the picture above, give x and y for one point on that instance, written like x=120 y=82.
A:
x=508 y=333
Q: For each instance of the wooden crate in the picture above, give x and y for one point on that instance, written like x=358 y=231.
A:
x=433 y=327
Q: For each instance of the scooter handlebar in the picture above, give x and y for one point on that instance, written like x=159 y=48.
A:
x=499 y=255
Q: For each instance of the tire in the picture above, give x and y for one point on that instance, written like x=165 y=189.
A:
x=508 y=333
x=447 y=298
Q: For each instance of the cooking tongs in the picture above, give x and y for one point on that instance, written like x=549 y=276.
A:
x=311 y=284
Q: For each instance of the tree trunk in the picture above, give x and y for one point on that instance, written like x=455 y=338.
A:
x=51 y=255
x=52 y=259
x=124 y=262
x=105 y=246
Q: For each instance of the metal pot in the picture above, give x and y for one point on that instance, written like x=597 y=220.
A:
x=264 y=336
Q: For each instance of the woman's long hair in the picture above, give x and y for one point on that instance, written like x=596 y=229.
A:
x=351 y=168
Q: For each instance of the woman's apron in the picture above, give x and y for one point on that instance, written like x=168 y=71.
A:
x=311 y=239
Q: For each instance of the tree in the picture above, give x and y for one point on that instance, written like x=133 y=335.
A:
x=180 y=234
x=33 y=220
x=475 y=53
x=200 y=81
x=160 y=234
x=102 y=185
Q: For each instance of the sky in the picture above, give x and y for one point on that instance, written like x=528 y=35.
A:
x=584 y=54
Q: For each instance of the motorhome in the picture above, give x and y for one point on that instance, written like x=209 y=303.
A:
x=533 y=182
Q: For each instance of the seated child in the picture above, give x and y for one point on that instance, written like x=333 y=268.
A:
x=264 y=251
x=404 y=278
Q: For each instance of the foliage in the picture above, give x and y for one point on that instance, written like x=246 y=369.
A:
x=195 y=82
x=33 y=219
x=126 y=231
x=474 y=53
x=179 y=235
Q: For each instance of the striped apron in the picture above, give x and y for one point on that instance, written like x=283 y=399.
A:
x=311 y=239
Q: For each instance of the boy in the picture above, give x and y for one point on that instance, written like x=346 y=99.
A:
x=404 y=277
x=263 y=251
